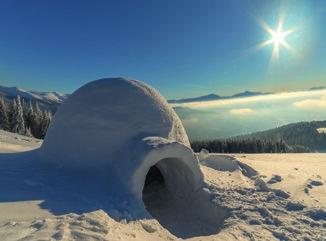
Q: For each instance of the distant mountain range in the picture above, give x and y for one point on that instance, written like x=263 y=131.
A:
x=318 y=88
x=305 y=135
x=210 y=97
x=213 y=96
x=51 y=100
x=46 y=100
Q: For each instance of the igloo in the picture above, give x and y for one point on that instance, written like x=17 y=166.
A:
x=126 y=130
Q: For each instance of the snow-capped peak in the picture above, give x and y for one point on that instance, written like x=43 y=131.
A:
x=48 y=97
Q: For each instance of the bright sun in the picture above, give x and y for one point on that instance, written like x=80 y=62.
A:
x=277 y=38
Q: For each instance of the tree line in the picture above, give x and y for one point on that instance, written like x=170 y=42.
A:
x=24 y=118
x=296 y=135
x=246 y=146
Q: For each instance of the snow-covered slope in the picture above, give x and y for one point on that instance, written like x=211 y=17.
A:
x=46 y=97
x=321 y=130
x=12 y=142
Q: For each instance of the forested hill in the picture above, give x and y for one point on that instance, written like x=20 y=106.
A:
x=301 y=134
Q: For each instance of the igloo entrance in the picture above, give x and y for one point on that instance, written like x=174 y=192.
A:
x=169 y=198
x=172 y=174
x=153 y=176
x=168 y=183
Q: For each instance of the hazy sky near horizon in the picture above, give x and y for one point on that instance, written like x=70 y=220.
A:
x=183 y=48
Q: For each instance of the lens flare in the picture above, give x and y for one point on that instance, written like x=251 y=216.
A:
x=277 y=38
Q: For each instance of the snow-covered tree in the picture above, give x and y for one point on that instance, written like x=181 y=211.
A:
x=24 y=118
x=4 y=120
x=29 y=132
x=29 y=116
x=45 y=122
x=17 y=117
x=37 y=122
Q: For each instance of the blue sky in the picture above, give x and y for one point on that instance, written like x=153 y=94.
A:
x=183 y=48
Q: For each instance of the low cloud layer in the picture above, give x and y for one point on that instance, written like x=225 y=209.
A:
x=231 y=117
x=254 y=99
x=243 y=111
x=311 y=103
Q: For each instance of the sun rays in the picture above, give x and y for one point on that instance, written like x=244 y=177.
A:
x=277 y=38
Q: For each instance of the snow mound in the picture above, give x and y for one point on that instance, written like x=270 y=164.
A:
x=122 y=128
x=13 y=142
x=218 y=162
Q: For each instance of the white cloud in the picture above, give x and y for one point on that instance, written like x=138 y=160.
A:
x=243 y=111
x=192 y=120
x=311 y=103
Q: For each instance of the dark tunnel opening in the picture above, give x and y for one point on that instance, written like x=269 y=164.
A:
x=183 y=217
x=154 y=175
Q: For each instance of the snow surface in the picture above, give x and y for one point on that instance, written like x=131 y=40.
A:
x=42 y=203
x=321 y=130
x=11 y=142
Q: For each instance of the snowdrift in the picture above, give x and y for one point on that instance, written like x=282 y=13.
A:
x=123 y=129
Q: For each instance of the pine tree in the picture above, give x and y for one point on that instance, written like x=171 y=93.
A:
x=45 y=122
x=17 y=121
x=37 y=122
x=29 y=132
x=12 y=119
x=29 y=118
x=4 y=120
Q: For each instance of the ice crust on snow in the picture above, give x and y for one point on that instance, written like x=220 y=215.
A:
x=122 y=128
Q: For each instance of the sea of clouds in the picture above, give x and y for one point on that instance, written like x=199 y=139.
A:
x=231 y=117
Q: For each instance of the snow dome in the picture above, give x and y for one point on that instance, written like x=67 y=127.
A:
x=125 y=129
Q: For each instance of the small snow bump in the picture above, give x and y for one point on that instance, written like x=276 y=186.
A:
x=255 y=222
x=317 y=214
x=261 y=185
x=148 y=228
x=275 y=179
x=294 y=206
x=281 y=193
x=316 y=183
